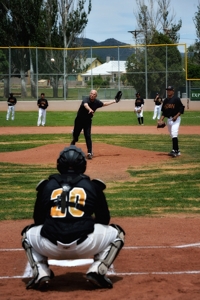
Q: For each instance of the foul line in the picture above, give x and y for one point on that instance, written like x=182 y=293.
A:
x=79 y=262
x=113 y=273
x=129 y=247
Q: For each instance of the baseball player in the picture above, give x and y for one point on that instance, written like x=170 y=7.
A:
x=158 y=104
x=172 y=109
x=84 y=117
x=42 y=103
x=71 y=221
x=11 y=107
x=139 y=103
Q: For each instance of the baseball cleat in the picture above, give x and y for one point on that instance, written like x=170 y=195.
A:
x=100 y=281
x=174 y=153
x=89 y=156
x=40 y=284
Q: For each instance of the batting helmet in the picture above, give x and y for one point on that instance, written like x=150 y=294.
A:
x=71 y=158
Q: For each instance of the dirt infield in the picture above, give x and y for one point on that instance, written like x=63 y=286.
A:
x=161 y=257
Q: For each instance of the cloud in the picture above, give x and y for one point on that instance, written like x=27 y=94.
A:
x=114 y=18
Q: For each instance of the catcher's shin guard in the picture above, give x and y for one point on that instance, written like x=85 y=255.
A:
x=40 y=268
x=115 y=247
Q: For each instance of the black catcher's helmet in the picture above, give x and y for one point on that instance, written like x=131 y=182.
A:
x=71 y=159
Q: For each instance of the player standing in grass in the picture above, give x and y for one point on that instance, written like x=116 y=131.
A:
x=11 y=107
x=42 y=103
x=172 y=109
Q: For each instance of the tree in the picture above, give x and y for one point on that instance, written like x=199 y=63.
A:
x=155 y=16
x=156 y=66
x=194 y=52
x=74 y=19
x=20 y=23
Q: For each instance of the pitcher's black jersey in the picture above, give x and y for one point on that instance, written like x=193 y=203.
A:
x=83 y=112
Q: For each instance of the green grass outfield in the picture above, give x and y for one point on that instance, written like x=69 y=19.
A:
x=29 y=118
x=170 y=187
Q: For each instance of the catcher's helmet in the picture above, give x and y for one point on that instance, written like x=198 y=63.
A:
x=71 y=158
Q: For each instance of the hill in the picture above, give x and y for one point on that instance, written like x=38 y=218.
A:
x=103 y=53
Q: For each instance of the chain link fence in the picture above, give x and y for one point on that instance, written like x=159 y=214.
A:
x=70 y=74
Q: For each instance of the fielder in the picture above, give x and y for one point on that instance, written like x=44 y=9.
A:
x=11 y=107
x=139 y=103
x=71 y=221
x=172 y=109
x=158 y=105
x=42 y=103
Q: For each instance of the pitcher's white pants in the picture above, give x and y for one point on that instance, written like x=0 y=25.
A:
x=173 y=127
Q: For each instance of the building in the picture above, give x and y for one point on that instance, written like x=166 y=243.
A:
x=111 y=68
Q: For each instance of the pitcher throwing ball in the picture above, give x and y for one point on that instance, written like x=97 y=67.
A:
x=83 y=120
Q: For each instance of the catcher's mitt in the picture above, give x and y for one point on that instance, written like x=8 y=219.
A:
x=118 y=96
x=161 y=125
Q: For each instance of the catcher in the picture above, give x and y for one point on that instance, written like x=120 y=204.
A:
x=71 y=221
x=139 y=103
x=83 y=120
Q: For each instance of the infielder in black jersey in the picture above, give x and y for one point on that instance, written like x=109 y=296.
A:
x=11 y=107
x=71 y=221
x=172 y=109
x=42 y=103
x=139 y=103
x=84 y=117
x=158 y=105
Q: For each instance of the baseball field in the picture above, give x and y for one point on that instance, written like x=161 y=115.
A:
x=154 y=197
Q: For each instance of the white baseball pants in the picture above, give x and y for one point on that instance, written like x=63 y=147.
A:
x=11 y=110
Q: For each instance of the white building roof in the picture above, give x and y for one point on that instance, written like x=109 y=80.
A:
x=108 y=68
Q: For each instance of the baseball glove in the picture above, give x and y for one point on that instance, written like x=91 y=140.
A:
x=118 y=96
x=138 y=111
x=161 y=125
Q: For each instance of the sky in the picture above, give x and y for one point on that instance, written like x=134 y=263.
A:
x=114 y=18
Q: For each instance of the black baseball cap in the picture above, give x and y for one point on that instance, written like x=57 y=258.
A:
x=137 y=93
x=157 y=93
x=170 y=88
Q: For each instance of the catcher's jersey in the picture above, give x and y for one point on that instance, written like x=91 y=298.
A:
x=83 y=112
x=84 y=199
x=172 y=106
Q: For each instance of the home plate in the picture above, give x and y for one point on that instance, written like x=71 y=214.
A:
x=70 y=263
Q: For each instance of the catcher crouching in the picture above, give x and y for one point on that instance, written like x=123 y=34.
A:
x=71 y=221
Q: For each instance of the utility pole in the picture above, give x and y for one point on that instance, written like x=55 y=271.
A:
x=135 y=33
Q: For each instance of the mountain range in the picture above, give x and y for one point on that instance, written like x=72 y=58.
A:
x=103 y=53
